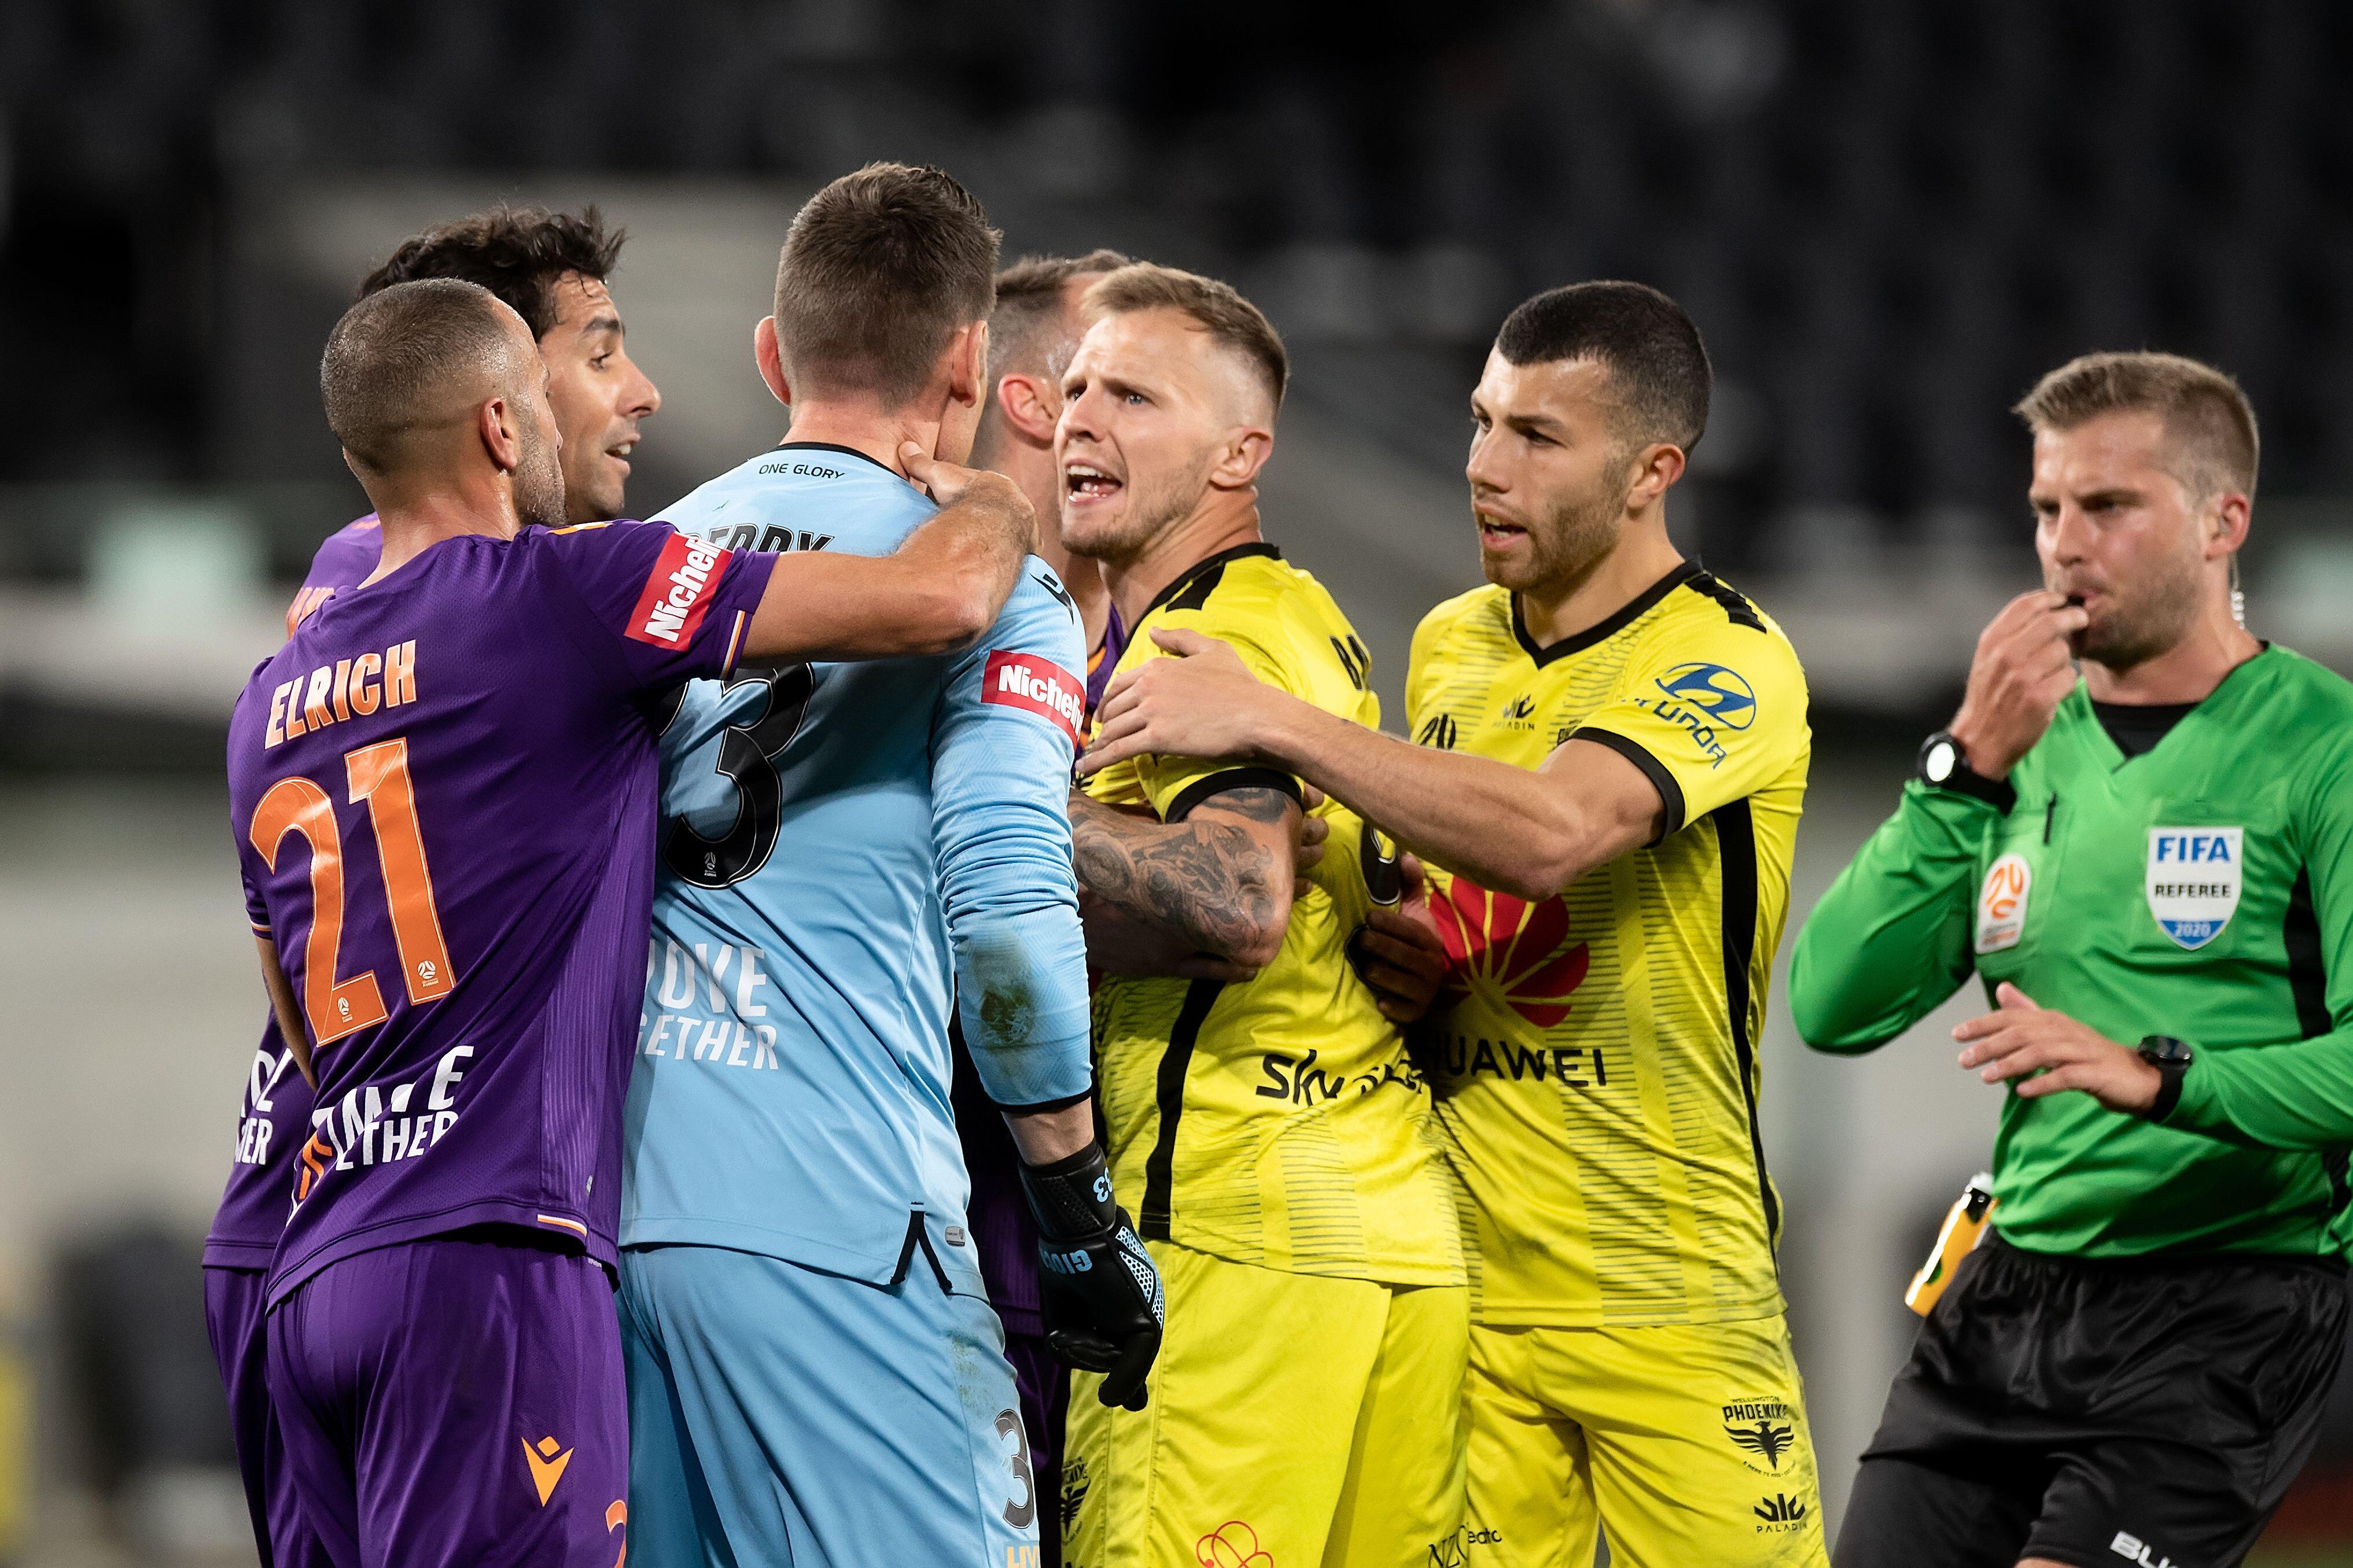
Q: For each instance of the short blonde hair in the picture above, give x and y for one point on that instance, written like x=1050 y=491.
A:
x=1217 y=308
x=2208 y=418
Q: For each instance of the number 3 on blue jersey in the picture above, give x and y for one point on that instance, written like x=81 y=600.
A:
x=747 y=758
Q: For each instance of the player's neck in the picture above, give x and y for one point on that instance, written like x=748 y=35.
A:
x=414 y=523
x=2189 y=671
x=1223 y=519
x=1641 y=556
x=863 y=429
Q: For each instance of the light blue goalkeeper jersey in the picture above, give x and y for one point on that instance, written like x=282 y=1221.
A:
x=844 y=850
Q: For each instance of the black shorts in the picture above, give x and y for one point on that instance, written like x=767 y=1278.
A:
x=2098 y=1413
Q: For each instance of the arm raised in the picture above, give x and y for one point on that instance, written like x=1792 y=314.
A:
x=938 y=591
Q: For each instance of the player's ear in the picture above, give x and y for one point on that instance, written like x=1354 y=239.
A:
x=1247 y=448
x=1023 y=401
x=1656 y=468
x=968 y=363
x=496 y=422
x=771 y=362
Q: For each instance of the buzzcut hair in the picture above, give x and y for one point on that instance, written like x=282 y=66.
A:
x=399 y=360
x=1656 y=363
x=878 y=270
x=1029 y=305
x=1218 y=308
x=519 y=253
x=2216 y=446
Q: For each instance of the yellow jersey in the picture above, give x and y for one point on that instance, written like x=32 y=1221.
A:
x=1596 y=1058
x=1275 y=1121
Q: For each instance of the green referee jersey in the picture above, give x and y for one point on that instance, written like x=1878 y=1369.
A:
x=2203 y=890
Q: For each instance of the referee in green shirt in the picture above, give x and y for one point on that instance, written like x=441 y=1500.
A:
x=2151 y=871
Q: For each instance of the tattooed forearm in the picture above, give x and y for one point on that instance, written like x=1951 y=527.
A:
x=1212 y=883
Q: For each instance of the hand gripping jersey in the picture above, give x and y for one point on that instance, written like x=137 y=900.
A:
x=1598 y=1062
x=442 y=789
x=1275 y=1121
x=274 y=1112
x=2203 y=890
x=844 y=850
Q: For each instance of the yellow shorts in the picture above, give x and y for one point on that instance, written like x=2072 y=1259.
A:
x=1293 y=1421
x=1687 y=1444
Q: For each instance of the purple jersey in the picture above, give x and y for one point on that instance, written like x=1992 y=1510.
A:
x=274 y=1113
x=443 y=793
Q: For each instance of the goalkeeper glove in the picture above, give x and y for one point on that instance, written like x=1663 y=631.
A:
x=1099 y=1291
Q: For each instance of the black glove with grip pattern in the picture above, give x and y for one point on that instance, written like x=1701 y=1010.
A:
x=1098 y=1290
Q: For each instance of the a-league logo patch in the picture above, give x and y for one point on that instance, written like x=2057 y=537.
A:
x=2194 y=880
x=2001 y=903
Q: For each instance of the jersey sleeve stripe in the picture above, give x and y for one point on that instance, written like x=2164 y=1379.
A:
x=734 y=643
x=1168 y=1092
x=1670 y=794
x=1735 y=849
x=1201 y=790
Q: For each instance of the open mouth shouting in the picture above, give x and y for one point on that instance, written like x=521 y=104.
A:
x=1085 y=484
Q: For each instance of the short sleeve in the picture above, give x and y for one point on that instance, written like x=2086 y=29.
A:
x=1178 y=784
x=657 y=606
x=257 y=913
x=1710 y=715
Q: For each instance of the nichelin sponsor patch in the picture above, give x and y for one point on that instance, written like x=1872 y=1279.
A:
x=2001 y=902
x=2194 y=880
x=678 y=592
x=1037 y=686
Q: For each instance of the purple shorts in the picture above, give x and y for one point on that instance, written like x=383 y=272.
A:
x=233 y=1314
x=458 y=1400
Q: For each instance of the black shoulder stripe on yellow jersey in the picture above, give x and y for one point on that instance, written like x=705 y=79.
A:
x=1601 y=632
x=1356 y=659
x=1735 y=605
x=1168 y=1094
x=1736 y=850
x=1670 y=794
x=1201 y=790
x=1192 y=591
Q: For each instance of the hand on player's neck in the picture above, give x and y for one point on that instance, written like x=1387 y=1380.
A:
x=2189 y=671
x=1643 y=554
x=1030 y=465
x=1221 y=520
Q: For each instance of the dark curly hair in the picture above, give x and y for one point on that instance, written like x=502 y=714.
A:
x=517 y=253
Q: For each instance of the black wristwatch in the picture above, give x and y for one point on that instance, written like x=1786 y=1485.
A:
x=2171 y=1058
x=1943 y=764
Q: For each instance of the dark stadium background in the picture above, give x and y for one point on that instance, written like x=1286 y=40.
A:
x=1887 y=216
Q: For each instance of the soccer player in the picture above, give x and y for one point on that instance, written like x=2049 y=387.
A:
x=2150 y=870
x=443 y=793
x=554 y=270
x=815 y=1372
x=1307 y=1403
x=1609 y=759
x=551 y=269
x=1032 y=331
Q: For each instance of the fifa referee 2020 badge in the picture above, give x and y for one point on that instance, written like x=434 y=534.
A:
x=2138 y=833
